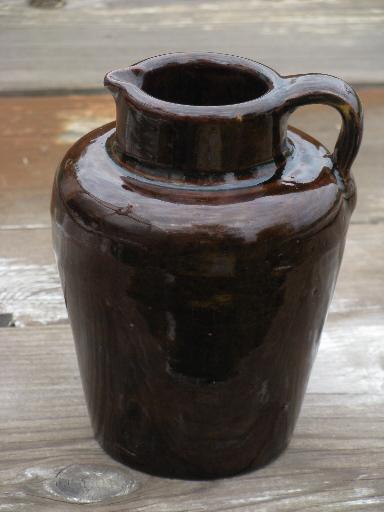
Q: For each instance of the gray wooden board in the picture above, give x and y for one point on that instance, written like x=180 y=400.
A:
x=74 y=46
x=49 y=460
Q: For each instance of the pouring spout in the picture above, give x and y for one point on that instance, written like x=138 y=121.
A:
x=118 y=80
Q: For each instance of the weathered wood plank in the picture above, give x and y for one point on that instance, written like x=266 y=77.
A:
x=361 y=278
x=35 y=133
x=334 y=463
x=351 y=355
x=29 y=283
x=30 y=289
x=74 y=46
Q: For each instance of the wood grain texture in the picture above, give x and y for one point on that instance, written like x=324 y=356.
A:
x=30 y=289
x=47 y=48
x=334 y=463
x=34 y=135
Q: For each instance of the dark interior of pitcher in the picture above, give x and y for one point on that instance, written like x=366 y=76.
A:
x=204 y=83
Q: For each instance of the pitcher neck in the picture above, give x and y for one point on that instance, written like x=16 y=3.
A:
x=199 y=113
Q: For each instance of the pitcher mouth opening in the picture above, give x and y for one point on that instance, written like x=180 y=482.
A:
x=199 y=84
x=204 y=83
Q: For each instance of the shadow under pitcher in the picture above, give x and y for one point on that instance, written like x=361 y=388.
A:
x=198 y=241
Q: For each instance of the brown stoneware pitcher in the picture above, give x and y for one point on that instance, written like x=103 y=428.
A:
x=198 y=241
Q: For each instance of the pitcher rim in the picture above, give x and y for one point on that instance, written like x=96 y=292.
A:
x=129 y=82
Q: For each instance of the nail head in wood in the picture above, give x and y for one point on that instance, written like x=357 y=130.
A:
x=89 y=483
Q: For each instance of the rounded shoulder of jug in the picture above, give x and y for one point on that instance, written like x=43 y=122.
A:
x=124 y=200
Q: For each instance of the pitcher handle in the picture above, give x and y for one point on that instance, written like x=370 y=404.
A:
x=329 y=90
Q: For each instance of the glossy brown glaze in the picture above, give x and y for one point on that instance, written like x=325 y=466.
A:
x=198 y=245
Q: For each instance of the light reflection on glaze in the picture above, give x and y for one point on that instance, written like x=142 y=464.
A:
x=99 y=176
